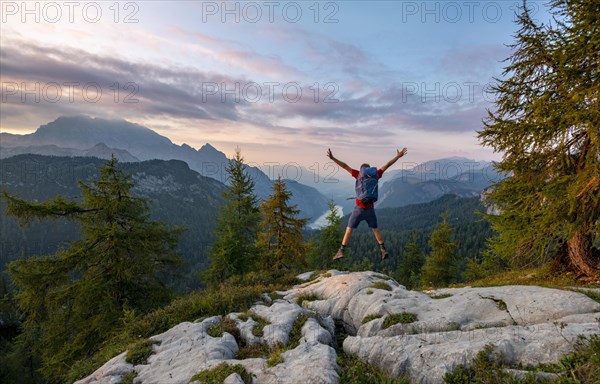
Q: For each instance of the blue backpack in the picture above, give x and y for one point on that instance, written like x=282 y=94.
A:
x=367 y=190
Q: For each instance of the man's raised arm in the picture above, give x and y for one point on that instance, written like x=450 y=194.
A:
x=338 y=162
x=399 y=154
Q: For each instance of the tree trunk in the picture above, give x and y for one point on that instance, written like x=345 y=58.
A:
x=580 y=255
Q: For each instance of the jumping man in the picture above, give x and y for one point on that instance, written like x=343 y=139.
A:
x=364 y=210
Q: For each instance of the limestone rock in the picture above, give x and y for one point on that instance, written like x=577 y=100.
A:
x=436 y=331
x=110 y=373
x=185 y=350
x=234 y=378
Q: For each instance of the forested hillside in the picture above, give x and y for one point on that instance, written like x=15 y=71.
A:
x=178 y=196
x=399 y=225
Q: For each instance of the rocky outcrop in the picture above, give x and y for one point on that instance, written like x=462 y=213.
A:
x=433 y=332
x=421 y=335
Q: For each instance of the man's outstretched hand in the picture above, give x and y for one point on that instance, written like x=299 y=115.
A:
x=329 y=154
x=401 y=153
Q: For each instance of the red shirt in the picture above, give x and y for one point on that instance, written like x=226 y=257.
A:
x=359 y=203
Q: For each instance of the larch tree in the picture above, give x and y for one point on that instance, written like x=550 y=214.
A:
x=234 y=250
x=408 y=270
x=280 y=238
x=73 y=300
x=546 y=124
x=440 y=266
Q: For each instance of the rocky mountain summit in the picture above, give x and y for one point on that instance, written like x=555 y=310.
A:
x=419 y=335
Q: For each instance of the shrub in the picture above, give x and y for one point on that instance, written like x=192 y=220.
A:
x=140 y=352
x=219 y=373
x=257 y=329
x=381 y=285
x=355 y=371
x=399 y=318
x=371 y=318
x=306 y=297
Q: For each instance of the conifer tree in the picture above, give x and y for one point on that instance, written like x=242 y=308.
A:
x=440 y=267
x=327 y=240
x=75 y=298
x=280 y=238
x=234 y=250
x=408 y=271
x=546 y=123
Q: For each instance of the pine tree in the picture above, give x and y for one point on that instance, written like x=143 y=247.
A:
x=327 y=241
x=409 y=269
x=234 y=250
x=280 y=237
x=546 y=124
x=74 y=299
x=440 y=267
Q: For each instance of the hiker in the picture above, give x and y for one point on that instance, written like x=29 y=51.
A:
x=366 y=189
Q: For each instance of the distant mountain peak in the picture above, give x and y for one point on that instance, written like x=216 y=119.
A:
x=208 y=148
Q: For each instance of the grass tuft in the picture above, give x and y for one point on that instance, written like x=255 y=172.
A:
x=225 y=325
x=579 y=367
x=355 y=371
x=306 y=297
x=258 y=328
x=371 y=318
x=140 y=352
x=219 y=373
x=275 y=356
x=381 y=285
x=128 y=378
x=399 y=318
x=441 y=296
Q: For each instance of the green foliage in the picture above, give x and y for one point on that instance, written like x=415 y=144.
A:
x=169 y=187
x=306 y=297
x=442 y=296
x=440 y=268
x=280 y=238
x=128 y=378
x=355 y=371
x=399 y=318
x=234 y=250
x=579 y=367
x=73 y=300
x=275 y=355
x=402 y=225
x=381 y=285
x=296 y=332
x=327 y=241
x=408 y=272
x=486 y=368
x=546 y=124
x=225 y=298
x=140 y=352
x=219 y=373
x=370 y=318
x=252 y=351
x=293 y=341
x=225 y=325
x=261 y=323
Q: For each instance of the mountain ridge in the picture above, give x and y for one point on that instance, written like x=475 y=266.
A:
x=76 y=135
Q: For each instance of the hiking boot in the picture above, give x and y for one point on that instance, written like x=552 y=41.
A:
x=384 y=254
x=339 y=254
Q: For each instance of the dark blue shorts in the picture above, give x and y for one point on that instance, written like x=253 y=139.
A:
x=359 y=214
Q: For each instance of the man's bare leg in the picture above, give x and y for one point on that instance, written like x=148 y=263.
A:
x=378 y=235
x=347 y=235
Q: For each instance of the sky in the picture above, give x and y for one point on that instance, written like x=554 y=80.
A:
x=282 y=80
